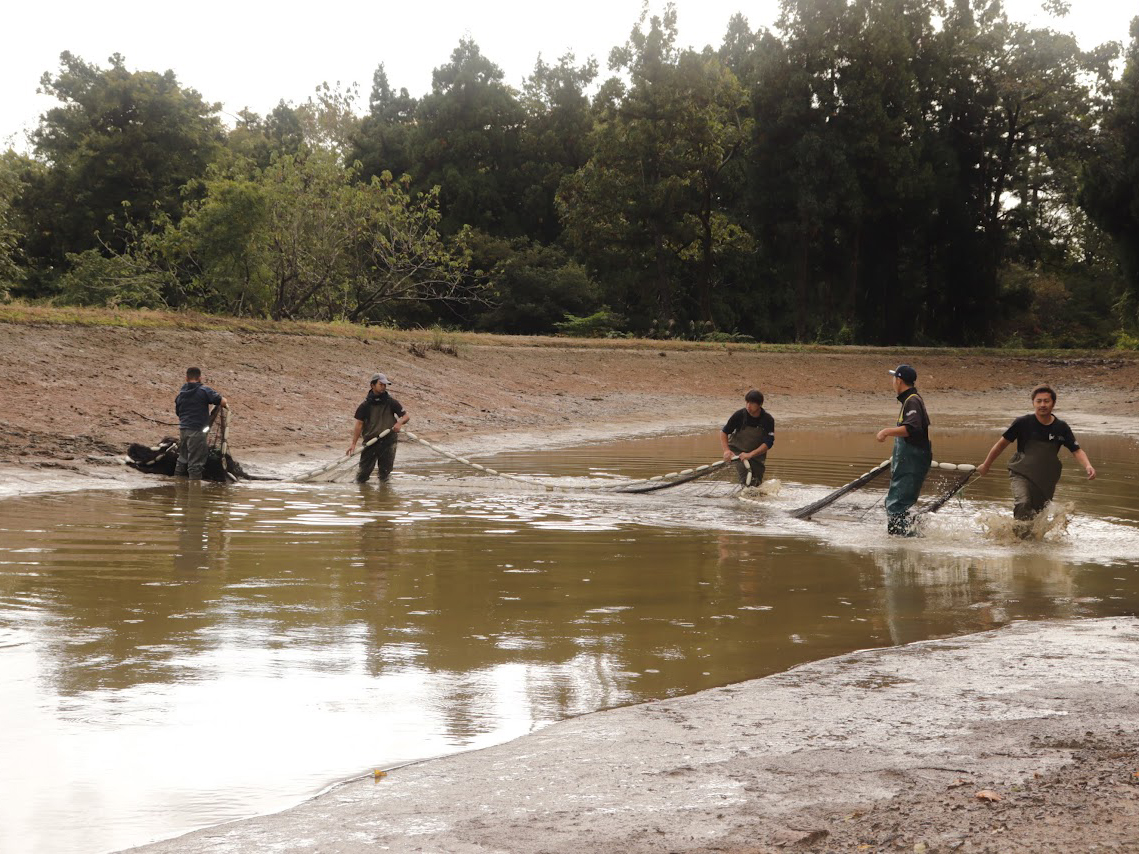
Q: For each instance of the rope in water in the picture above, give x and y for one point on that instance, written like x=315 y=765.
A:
x=660 y=481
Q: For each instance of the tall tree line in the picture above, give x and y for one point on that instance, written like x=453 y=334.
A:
x=870 y=171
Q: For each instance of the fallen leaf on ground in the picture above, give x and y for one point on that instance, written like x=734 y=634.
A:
x=988 y=795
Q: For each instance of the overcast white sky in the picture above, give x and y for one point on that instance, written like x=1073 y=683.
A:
x=252 y=55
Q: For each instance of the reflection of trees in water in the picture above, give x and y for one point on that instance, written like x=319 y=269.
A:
x=558 y=621
x=129 y=585
x=930 y=595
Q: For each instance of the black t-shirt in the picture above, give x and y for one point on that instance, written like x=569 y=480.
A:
x=915 y=418
x=1029 y=427
x=742 y=418
x=362 y=409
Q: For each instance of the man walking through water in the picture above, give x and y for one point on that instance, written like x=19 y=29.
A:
x=379 y=412
x=1034 y=469
x=749 y=435
x=192 y=406
x=912 y=454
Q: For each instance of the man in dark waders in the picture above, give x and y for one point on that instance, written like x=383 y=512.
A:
x=913 y=453
x=192 y=406
x=1034 y=469
x=379 y=412
x=749 y=434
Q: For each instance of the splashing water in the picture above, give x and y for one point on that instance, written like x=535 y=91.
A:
x=1051 y=523
x=771 y=487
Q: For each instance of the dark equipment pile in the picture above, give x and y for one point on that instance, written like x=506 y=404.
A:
x=163 y=457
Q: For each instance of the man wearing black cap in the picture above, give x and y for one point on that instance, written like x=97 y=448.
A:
x=913 y=453
x=1034 y=469
x=379 y=412
x=749 y=435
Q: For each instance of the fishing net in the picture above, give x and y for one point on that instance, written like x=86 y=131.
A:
x=719 y=471
x=944 y=482
x=220 y=465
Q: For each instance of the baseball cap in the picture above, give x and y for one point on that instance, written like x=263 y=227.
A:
x=906 y=374
x=379 y=378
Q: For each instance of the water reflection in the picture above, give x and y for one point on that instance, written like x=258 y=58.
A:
x=191 y=653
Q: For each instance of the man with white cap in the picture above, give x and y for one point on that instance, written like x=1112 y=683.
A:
x=379 y=412
x=913 y=453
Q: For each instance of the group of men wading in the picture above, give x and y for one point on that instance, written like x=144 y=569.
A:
x=1034 y=469
x=746 y=438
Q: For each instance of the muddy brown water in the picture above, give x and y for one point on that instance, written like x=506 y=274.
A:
x=177 y=656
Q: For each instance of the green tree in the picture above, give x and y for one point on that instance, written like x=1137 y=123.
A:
x=256 y=139
x=531 y=287
x=904 y=152
x=1110 y=191
x=383 y=142
x=1015 y=111
x=11 y=271
x=466 y=143
x=305 y=238
x=554 y=141
x=121 y=143
x=645 y=210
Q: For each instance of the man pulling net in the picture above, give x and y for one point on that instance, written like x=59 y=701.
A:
x=913 y=453
x=747 y=437
x=1034 y=469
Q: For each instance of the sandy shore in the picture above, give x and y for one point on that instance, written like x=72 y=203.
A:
x=1022 y=739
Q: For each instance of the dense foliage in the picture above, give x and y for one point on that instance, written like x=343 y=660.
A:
x=868 y=171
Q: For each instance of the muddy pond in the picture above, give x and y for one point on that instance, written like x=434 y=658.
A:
x=174 y=657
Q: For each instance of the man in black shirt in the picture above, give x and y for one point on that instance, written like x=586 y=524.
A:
x=912 y=456
x=749 y=435
x=1034 y=469
x=379 y=412
x=192 y=406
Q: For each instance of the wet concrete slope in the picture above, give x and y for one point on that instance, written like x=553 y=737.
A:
x=792 y=759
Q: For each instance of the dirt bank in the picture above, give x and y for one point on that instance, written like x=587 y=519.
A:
x=75 y=396
x=1019 y=740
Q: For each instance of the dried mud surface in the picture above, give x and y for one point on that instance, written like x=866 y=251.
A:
x=1018 y=740
x=75 y=397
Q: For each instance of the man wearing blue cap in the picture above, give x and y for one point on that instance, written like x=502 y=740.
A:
x=913 y=453
x=379 y=412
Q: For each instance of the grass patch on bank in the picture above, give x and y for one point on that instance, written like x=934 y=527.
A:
x=29 y=314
